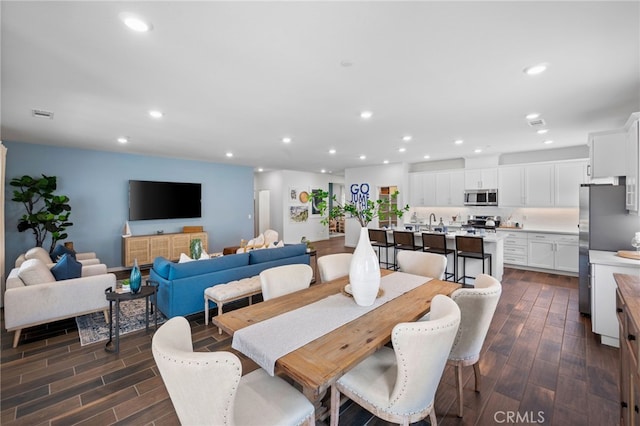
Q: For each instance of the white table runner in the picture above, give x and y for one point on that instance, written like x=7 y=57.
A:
x=271 y=339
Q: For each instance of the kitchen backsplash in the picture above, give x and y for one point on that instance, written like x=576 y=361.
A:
x=562 y=219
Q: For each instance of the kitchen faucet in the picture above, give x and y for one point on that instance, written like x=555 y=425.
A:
x=434 y=219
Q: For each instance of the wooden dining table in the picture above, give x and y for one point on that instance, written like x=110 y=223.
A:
x=319 y=363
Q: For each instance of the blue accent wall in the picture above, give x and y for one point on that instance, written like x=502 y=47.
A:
x=97 y=184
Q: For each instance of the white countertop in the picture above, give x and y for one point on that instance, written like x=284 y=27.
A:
x=489 y=237
x=612 y=259
x=542 y=230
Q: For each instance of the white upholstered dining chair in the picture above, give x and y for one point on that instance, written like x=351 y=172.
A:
x=399 y=385
x=477 y=306
x=422 y=263
x=285 y=279
x=334 y=266
x=207 y=388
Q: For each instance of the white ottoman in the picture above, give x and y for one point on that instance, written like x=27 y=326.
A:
x=229 y=292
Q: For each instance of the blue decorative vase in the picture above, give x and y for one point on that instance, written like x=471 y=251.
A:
x=135 y=280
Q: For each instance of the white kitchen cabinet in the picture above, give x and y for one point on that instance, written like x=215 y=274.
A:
x=632 y=150
x=607 y=154
x=539 y=184
x=568 y=178
x=566 y=253
x=481 y=178
x=515 y=247
x=416 y=189
x=604 y=320
x=450 y=188
x=429 y=189
x=553 y=251
x=511 y=186
x=541 y=253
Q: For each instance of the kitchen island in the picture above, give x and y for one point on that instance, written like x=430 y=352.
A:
x=493 y=244
x=603 y=264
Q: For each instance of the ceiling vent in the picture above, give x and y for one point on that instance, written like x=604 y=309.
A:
x=40 y=113
x=538 y=122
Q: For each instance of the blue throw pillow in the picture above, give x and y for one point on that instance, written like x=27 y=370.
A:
x=67 y=268
x=57 y=253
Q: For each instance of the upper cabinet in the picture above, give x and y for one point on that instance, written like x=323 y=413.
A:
x=481 y=178
x=541 y=185
x=632 y=156
x=511 y=186
x=538 y=185
x=567 y=180
x=450 y=188
x=606 y=154
x=444 y=188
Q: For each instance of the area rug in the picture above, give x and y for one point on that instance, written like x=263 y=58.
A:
x=93 y=328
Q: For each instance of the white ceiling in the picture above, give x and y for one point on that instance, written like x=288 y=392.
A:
x=239 y=76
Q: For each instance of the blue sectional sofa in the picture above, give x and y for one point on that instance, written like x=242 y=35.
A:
x=181 y=285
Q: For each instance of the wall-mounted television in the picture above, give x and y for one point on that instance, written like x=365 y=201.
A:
x=164 y=200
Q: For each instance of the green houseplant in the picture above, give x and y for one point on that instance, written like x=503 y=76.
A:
x=380 y=208
x=46 y=213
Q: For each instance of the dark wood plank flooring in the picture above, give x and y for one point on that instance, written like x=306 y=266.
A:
x=540 y=362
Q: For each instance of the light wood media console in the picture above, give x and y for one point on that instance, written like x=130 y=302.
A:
x=145 y=248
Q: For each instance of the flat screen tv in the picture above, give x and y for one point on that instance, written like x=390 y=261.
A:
x=164 y=200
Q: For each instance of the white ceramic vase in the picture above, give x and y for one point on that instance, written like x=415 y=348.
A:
x=364 y=272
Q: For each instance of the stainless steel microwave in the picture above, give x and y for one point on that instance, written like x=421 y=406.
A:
x=481 y=197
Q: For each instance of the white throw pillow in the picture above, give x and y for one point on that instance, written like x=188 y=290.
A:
x=34 y=271
x=280 y=243
x=204 y=256
x=184 y=258
x=38 y=253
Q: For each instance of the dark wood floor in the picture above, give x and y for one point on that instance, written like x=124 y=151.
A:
x=540 y=360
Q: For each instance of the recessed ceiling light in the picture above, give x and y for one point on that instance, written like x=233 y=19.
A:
x=477 y=150
x=229 y=154
x=332 y=151
x=532 y=116
x=261 y=169
x=156 y=114
x=385 y=162
x=426 y=157
x=542 y=131
x=458 y=141
x=286 y=139
x=366 y=115
x=535 y=69
x=363 y=157
x=135 y=23
x=123 y=140
x=547 y=142
x=323 y=171
x=407 y=138
x=402 y=149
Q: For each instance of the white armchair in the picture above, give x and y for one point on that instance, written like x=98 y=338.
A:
x=422 y=263
x=207 y=388
x=34 y=297
x=281 y=280
x=477 y=306
x=332 y=266
x=399 y=385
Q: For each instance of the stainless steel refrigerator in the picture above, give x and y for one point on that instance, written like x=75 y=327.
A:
x=603 y=225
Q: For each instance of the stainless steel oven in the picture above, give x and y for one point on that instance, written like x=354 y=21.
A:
x=481 y=197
